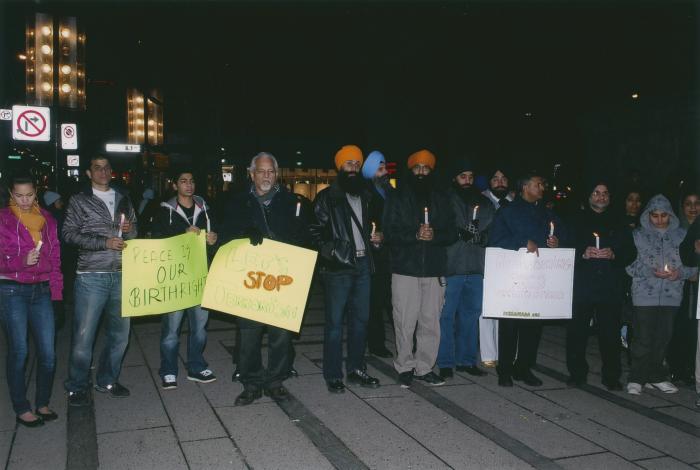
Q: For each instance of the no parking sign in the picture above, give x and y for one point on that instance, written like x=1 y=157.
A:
x=31 y=123
x=69 y=136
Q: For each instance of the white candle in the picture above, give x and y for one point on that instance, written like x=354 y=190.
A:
x=425 y=216
x=298 y=209
x=476 y=211
x=121 y=222
x=597 y=241
x=208 y=224
x=551 y=229
x=38 y=246
x=374 y=228
x=666 y=268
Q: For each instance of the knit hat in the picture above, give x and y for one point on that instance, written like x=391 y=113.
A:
x=50 y=197
x=347 y=153
x=374 y=159
x=422 y=157
x=462 y=165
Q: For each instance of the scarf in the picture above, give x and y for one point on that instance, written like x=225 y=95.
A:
x=32 y=220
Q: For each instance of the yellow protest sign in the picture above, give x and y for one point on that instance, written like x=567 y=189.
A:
x=268 y=283
x=163 y=275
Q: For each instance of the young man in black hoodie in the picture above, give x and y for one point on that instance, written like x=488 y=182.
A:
x=183 y=213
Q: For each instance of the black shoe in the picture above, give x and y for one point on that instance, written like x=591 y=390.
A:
x=205 y=376
x=363 y=378
x=30 y=424
x=575 y=382
x=277 y=393
x=335 y=386
x=79 y=398
x=405 y=379
x=247 y=397
x=687 y=379
x=613 y=385
x=431 y=378
x=50 y=416
x=505 y=381
x=381 y=352
x=293 y=372
x=446 y=372
x=472 y=370
x=116 y=389
x=236 y=376
x=529 y=378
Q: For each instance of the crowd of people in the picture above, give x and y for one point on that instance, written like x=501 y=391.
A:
x=413 y=255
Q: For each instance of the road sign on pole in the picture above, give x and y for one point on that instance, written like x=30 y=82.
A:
x=69 y=137
x=31 y=123
x=5 y=115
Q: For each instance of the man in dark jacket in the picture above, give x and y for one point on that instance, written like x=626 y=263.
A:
x=374 y=170
x=418 y=227
x=184 y=213
x=98 y=221
x=459 y=319
x=524 y=223
x=600 y=261
x=265 y=210
x=690 y=256
x=343 y=235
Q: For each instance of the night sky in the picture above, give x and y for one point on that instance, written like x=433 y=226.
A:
x=455 y=77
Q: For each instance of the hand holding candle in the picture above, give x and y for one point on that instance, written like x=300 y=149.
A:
x=374 y=228
x=475 y=212
x=597 y=241
x=38 y=246
x=551 y=229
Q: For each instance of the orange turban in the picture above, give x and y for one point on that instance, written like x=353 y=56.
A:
x=422 y=157
x=346 y=153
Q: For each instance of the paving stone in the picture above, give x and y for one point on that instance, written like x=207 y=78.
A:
x=5 y=444
x=268 y=439
x=597 y=461
x=450 y=440
x=682 y=413
x=213 y=454
x=532 y=430
x=629 y=423
x=143 y=409
x=371 y=437
x=155 y=448
x=663 y=463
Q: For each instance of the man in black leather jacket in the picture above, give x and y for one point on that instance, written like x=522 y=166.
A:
x=343 y=236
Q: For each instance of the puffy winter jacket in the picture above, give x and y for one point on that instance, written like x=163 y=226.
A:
x=16 y=242
x=88 y=225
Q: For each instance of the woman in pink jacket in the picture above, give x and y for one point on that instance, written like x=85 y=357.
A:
x=30 y=278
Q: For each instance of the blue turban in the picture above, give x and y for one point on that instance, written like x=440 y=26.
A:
x=374 y=159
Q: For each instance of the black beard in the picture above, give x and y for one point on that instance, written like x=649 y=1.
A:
x=499 y=193
x=421 y=184
x=467 y=193
x=350 y=184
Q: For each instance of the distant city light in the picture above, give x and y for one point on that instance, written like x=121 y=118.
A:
x=635 y=96
x=46 y=49
x=299 y=163
x=298 y=152
x=22 y=57
x=528 y=114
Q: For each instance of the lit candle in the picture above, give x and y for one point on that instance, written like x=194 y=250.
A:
x=476 y=211
x=298 y=209
x=597 y=241
x=425 y=216
x=374 y=228
x=38 y=246
x=208 y=223
x=121 y=222
x=551 y=229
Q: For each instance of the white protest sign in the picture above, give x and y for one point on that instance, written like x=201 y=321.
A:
x=521 y=285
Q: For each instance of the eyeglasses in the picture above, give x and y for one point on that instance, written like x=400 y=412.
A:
x=102 y=169
x=601 y=193
x=265 y=172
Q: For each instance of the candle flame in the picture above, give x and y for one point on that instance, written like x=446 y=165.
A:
x=595 y=234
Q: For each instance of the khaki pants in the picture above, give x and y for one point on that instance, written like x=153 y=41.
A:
x=417 y=303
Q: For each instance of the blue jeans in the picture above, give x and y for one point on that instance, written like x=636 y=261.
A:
x=23 y=305
x=96 y=293
x=459 y=321
x=347 y=294
x=170 y=340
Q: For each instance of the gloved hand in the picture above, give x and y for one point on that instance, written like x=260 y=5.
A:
x=255 y=236
x=470 y=234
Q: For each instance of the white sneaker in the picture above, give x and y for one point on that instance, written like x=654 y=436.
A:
x=169 y=382
x=634 y=388
x=666 y=387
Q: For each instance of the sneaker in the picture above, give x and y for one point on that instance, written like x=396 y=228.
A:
x=666 y=387
x=206 y=376
x=116 y=389
x=79 y=398
x=361 y=377
x=634 y=388
x=431 y=378
x=405 y=379
x=169 y=382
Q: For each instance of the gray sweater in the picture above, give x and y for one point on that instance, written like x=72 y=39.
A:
x=657 y=248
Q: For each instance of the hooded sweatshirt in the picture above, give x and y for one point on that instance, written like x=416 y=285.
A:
x=657 y=248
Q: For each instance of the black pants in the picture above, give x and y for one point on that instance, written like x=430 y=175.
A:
x=253 y=375
x=521 y=337
x=379 y=303
x=681 y=349
x=653 y=327
x=608 y=319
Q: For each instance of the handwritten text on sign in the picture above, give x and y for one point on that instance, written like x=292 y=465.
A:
x=268 y=283
x=164 y=275
x=522 y=285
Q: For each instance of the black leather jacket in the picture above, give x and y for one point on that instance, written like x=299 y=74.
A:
x=331 y=234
